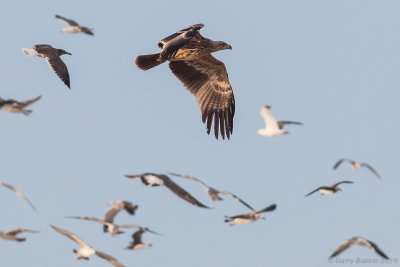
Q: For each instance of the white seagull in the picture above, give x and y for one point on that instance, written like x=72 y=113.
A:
x=12 y=234
x=19 y=193
x=248 y=217
x=152 y=179
x=356 y=165
x=273 y=127
x=116 y=207
x=85 y=251
x=74 y=27
x=361 y=242
x=212 y=192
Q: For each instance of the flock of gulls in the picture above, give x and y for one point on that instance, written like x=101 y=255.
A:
x=190 y=60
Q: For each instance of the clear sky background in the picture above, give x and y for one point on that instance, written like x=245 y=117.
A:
x=333 y=65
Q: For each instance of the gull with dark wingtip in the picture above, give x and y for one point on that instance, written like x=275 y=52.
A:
x=74 y=27
x=327 y=190
x=356 y=165
x=212 y=192
x=137 y=242
x=361 y=242
x=249 y=217
x=85 y=251
x=52 y=56
x=273 y=127
x=113 y=229
x=116 y=207
x=19 y=193
x=152 y=179
x=12 y=234
x=15 y=106
x=190 y=60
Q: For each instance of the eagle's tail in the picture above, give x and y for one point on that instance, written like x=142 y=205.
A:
x=146 y=62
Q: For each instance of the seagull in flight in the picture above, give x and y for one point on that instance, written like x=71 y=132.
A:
x=18 y=192
x=273 y=127
x=12 y=234
x=52 y=56
x=212 y=192
x=137 y=242
x=85 y=251
x=356 y=165
x=152 y=179
x=327 y=190
x=116 y=207
x=74 y=27
x=113 y=229
x=249 y=217
x=361 y=242
x=15 y=106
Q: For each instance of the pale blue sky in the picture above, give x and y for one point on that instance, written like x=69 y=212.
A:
x=333 y=65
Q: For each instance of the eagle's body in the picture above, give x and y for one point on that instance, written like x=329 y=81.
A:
x=203 y=75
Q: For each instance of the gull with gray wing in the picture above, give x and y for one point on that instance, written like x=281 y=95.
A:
x=74 y=27
x=52 y=56
x=273 y=127
x=249 y=217
x=12 y=234
x=152 y=179
x=212 y=192
x=137 y=242
x=19 y=193
x=85 y=251
x=113 y=229
x=361 y=242
x=116 y=207
x=356 y=165
x=328 y=190
x=14 y=106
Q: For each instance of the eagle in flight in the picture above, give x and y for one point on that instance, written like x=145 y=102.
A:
x=190 y=59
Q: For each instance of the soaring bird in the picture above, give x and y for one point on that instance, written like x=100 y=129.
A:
x=212 y=192
x=190 y=60
x=73 y=26
x=15 y=106
x=113 y=229
x=361 y=242
x=19 y=193
x=12 y=234
x=356 y=165
x=52 y=56
x=85 y=251
x=273 y=127
x=116 y=207
x=137 y=242
x=326 y=190
x=152 y=179
x=249 y=217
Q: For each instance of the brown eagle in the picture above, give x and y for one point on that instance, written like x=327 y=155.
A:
x=190 y=59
